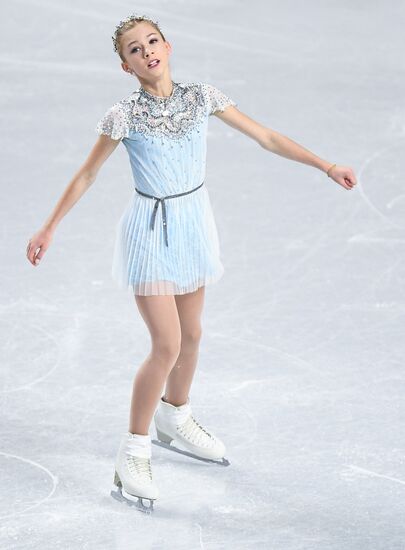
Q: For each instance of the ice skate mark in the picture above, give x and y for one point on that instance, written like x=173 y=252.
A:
x=68 y=9
x=385 y=275
x=372 y=306
x=374 y=474
x=362 y=192
x=277 y=352
x=50 y=337
x=252 y=428
x=317 y=245
x=378 y=281
x=363 y=238
x=201 y=541
x=54 y=479
x=396 y=200
x=58 y=67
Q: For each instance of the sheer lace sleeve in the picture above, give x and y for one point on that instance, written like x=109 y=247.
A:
x=215 y=100
x=113 y=123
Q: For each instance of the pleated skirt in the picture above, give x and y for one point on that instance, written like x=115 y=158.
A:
x=144 y=265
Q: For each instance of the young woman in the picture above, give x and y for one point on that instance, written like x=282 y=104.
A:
x=166 y=247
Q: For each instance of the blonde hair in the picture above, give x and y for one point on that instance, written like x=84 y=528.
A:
x=129 y=23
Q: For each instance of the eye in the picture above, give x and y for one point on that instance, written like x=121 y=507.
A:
x=150 y=41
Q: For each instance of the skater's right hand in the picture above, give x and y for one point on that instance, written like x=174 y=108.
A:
x=41 y=241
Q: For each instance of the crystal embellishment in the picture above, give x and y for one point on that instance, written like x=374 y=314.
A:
x=174 y=116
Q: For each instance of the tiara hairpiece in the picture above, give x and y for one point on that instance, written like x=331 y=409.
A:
x=131 y=17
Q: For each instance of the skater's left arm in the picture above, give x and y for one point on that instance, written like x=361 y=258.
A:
x=282 y=145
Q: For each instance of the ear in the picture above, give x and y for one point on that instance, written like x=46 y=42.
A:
x=125 y=68
x=168 y=47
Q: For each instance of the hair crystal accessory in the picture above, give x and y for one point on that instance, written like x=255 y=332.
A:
x=132 y=17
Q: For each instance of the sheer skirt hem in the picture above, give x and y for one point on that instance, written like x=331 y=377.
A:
x=167 y=288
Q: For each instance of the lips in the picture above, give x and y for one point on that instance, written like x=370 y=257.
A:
x=153 y=63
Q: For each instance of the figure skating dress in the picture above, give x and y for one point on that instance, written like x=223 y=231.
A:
x=166 y=244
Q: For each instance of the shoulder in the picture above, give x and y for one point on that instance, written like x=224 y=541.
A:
x=115 y=122
x=210 y=96
x=122 y=109
x=117 y=108
x=215 y=98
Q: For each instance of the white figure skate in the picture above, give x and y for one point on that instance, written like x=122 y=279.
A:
x=178 y=431
x=133 y=473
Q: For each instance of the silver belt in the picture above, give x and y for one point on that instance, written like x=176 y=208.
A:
x=162 y=200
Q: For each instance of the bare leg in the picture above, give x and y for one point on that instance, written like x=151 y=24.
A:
x=189 y=307
x=161 y=317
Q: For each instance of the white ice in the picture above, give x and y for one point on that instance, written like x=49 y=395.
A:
x=301 y=367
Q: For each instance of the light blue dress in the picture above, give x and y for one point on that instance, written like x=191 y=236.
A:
x=171 y=246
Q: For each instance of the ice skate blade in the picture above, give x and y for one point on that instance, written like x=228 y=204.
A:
x=221 y=462
x=138 y=504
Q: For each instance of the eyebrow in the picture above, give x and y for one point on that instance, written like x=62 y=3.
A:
x=133 y=41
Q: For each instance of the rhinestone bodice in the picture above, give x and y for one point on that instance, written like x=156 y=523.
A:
x=173 y=116
x=165 y=136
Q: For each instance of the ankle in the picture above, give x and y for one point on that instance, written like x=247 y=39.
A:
x=175 y=403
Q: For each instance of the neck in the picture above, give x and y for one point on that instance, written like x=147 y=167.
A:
x=160 y=88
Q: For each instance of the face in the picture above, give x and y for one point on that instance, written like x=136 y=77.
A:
x=139 y=46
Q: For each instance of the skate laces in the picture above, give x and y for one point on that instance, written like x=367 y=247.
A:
x=140 y=465
x=194 y=432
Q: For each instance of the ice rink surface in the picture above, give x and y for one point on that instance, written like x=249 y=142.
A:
x=301 y=366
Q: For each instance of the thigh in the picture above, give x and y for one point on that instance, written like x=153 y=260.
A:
x=190 y=307
x=162 y=319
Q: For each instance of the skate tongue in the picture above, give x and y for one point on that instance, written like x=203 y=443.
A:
x=178 y=414
x=139 y=445
x=181 y=416
x=143 y=439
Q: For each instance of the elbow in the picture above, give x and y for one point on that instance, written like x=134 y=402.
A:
x=87 y=176
x=91 y=178
x=267 y=140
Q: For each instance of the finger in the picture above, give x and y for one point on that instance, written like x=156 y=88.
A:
x=37 y=257
x=32 y=254
x=352 y=177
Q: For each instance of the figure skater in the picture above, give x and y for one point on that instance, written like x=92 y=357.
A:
x=165 y=256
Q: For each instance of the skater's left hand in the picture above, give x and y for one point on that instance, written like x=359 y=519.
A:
x=344 y=176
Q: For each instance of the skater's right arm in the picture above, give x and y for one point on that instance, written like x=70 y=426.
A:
x=80 y=183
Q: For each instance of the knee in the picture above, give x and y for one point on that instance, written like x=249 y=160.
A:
x=166 y=351
x=191 y=337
